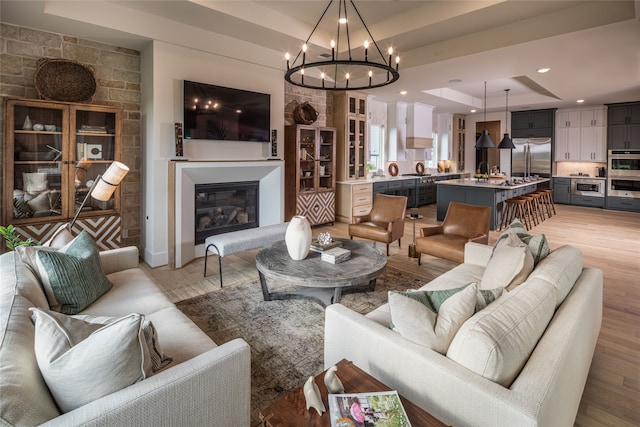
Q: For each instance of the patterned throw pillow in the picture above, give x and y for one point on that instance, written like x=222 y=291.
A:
x=81 y=362
x=431 y=318
x=538 y=244
x=72 y=277
x=484 y=297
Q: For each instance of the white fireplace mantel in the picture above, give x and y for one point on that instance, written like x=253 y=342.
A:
x=183 y=177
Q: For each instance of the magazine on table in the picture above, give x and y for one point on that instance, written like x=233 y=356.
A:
x=377 y=409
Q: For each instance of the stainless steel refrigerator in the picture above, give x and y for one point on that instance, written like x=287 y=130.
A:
x=532 y=156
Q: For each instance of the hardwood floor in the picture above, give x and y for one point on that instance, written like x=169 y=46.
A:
x=609 y=240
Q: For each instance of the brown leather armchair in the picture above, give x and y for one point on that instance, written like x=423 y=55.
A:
x=385 y=222
x=463 y=223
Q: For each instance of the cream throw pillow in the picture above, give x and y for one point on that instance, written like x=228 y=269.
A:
x=159 y=359
x=509 y=266
x=81 y=361
x=431 y=318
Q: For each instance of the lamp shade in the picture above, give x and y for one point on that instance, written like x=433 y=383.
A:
x=485 y=140
x=108 y=182
x=506 y=143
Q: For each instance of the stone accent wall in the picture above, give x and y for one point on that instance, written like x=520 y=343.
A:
x=117 y=72
x=321 y=100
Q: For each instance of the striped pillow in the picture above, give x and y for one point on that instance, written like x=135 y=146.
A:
x=538 y=244
x=72 y=277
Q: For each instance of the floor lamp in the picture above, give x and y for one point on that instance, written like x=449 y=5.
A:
x=104 y=186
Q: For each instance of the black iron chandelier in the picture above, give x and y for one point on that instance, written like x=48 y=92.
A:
x=343 y=72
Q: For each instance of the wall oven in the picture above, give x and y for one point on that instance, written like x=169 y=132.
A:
x=624 y=186
x=624 y=163
x=623 y=178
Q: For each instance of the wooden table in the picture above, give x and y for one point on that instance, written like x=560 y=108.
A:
x=323 y=282
x=291 y=410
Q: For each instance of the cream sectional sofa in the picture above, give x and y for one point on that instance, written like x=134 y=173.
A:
x=205 y=385
x=521 y=361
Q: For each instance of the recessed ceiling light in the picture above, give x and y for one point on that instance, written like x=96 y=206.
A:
x=403 y=92
x=455 y=81
x=473 y=111
x=543 y=70
x=580 y=101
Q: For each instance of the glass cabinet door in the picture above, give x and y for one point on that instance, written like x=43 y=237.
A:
x=362 y=155
x=93 y=136
x=35 y=134
x=325 y=159
x=307 y=156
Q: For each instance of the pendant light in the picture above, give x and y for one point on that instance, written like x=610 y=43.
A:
x=485 y=140
x=506 y=142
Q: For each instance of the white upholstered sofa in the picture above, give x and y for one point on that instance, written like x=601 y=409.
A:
x=549 y=377
x=205 y=385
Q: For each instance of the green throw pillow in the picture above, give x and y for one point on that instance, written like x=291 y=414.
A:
x=431 y=318
x=538 y=244
x=73 y=277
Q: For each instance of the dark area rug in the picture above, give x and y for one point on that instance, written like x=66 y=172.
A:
x=286 y=337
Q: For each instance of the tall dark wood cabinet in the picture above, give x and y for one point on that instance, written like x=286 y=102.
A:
x=310 y=173
x=52 y=153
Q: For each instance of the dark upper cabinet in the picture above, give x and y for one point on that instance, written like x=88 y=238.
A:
x=536 y=123
x=623 y=126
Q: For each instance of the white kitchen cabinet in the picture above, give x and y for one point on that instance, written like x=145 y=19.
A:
x=568 y=119
x=592 y=117
x=580 y=135
x=592 y=144
x=567 y=144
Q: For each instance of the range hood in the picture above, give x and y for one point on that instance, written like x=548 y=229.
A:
x=419 y=126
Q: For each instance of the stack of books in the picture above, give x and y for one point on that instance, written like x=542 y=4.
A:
x=316 y=246
x=335 y=255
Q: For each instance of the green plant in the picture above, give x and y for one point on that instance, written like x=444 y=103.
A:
x=371 y=166
x=13 y=238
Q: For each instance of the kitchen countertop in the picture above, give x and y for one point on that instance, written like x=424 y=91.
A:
x=579 y=176
x=399 y=177
x=472 y=182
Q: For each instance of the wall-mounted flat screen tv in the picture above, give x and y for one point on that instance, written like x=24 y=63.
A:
x=222 y=113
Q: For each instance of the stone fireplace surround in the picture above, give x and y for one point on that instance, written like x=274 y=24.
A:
x=184 y=175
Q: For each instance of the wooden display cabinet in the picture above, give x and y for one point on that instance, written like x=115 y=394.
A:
x=350 y=119
x=310 y=173
x=52 y=153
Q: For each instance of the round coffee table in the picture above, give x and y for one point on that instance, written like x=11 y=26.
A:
x=322 y=282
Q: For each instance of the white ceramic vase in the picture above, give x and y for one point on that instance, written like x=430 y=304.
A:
x=298 y=237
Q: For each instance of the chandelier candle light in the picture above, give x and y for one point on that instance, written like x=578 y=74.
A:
x=342 y=73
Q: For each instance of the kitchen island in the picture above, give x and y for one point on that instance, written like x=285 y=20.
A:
x=355 y=198
x=490 y=193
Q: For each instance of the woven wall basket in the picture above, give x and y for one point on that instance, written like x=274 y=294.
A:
x=64 y=80
x=304 y=114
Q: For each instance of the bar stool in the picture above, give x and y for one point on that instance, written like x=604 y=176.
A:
x=537 y=205
x=528 y=208
x=515 y=207
x=547 y=201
